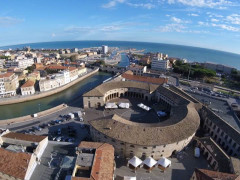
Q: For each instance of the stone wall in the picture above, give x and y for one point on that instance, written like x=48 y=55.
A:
x=124 y=149
x=29 y=117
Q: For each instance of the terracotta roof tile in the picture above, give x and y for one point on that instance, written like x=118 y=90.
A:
x=5 y=75
x=145 y=79
x=25 y=137
x=29 y=83
x=14 y=164
x=103 y=164
x=204 y=174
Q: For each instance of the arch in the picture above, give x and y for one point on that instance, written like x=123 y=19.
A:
x=121 y=94
x=146 y=98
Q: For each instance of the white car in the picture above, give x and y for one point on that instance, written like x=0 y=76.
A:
x=59 y=138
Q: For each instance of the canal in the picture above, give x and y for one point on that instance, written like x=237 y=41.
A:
x=72 y=95
x=124 y=60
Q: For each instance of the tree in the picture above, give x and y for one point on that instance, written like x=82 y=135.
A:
x=73 y=58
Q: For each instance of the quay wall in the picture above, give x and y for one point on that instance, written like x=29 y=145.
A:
x=44 y=94
x=29 y=117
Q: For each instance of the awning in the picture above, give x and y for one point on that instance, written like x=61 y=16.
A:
x=164 y=162
x=150 y=162
x=135 y=161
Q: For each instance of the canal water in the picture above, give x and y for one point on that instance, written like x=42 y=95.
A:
x=72 y=95
x=124 y=61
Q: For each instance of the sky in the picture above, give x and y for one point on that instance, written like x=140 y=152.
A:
x=211 y=24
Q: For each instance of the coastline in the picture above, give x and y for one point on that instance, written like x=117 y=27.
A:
x=15 y=100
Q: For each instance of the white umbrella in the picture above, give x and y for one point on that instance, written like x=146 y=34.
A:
x=129 y=178
x=135 y=161
x=164 y=162
x=150 y=162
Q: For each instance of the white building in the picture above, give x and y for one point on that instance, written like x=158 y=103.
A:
x=74 y=50
x=28 y=88
x=20 y=63
x=8 y=84
x=7 y=54
x=160 y=64
x=137 y=69
x=2 y=62
x=105 y=49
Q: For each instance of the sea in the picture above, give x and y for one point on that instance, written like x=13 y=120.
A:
x=192 y=54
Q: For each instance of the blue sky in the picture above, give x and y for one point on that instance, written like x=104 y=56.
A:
x=212 y=24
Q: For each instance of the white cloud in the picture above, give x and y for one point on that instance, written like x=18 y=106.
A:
x=214 y=20
x=110 y=28
x=202 y=3
x=9 y=21
x=171 y=28
x=233 y=19
x=226 y=27
x=177 y=20
x=53 y=35
x=143 y=5
x=112 y=3
x=201 y=23
x=193 y=14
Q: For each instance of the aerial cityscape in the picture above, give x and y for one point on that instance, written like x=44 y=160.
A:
x=120 y=90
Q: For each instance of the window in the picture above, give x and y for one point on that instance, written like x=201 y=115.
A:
x=230 y=141
x=218 y=130
x=132 y=146
x=164 y=145
x=144 y=147
x=222 y=133
x=214 y=127
x=113 y=140
x=105 y=137
x=226 y=136
x=122 y=143
x=234 y=145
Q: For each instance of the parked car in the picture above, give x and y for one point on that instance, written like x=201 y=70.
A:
x=59 y=138
x=59 y=132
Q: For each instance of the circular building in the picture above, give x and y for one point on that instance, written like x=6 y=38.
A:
x=132 y=137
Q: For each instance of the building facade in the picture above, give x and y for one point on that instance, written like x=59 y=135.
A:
x=131 y=138
x=28 y=88
x=8 y=84
x=159 y=64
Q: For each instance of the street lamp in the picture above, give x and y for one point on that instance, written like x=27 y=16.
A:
x=39 y=107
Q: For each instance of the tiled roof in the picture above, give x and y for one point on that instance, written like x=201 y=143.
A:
x=227 y=128
x=29 y=83
x=218 y=154
x=56 y=67
x=14 y=164
x=183 y=123
x=103 y=88
x=145 y=79
x=204 y=174
x=25 y=137
x=103 y=165
x=5 y=75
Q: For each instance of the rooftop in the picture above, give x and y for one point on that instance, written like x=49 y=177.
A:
x=24 y=137
x=204 y=174
x=220 y=156
x=220 y=108
x=182 y=124
x=103 y=163
x=29 y=83
x=6 y=75
x=145 y=79
x=103 y=88
x=14 y=164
